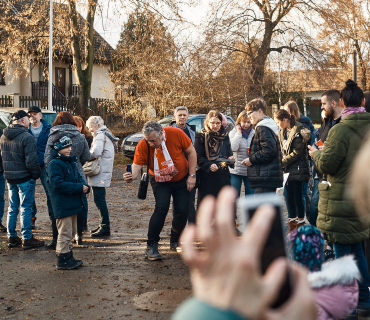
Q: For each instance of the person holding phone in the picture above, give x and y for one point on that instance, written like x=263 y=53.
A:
x=293 y=139
x=211 y=143
x=226 y=276
x=240 y=139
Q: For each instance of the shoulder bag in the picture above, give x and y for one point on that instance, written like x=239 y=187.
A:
x=143 y=188
x=92 y=167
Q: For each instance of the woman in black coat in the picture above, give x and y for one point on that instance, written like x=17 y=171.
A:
x=212 y=143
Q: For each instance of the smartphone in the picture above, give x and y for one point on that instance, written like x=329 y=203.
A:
x=128 y=169
x=275 y=246
x=319 y=143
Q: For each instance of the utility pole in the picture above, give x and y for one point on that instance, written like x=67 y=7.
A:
x=50 y=84
x=354 y=65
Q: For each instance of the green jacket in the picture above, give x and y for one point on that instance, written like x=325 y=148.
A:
x=194 y=309
x=295 y=158
x=337 y=216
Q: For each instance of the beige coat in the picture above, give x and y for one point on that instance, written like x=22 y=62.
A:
x=104 y=147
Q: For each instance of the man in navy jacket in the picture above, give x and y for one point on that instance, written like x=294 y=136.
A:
x=40 y=130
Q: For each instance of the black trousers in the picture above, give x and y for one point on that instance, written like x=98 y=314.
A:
x=162 y=193
x=294 y=199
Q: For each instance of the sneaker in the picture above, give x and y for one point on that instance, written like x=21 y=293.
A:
x=33 y=223
x=101 y=233
x=363 y=310
x=66 y=263
x=52 y=245
x=95 y=230
x=14 y=241
x=32 y=243
x=174 y=246
x=152 y=252
x=2 y=228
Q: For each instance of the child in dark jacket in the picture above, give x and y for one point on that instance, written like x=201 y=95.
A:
x=66 y=193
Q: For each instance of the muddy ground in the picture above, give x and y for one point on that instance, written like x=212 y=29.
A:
x=115 y=282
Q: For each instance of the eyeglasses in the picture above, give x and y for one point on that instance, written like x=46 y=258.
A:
x=250 y=112
x=215 y=124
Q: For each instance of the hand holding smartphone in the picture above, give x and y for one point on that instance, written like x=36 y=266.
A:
x=275 y=244
x=128 y=168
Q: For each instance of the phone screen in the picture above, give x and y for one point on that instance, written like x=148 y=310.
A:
x=275 y=248
x=129 y=168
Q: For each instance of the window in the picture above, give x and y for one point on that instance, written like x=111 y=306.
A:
x=41 y=73
x=2 y=76
x=196 y=123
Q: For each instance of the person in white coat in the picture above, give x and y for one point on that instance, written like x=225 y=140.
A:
x=103 y=146
x=240 y=139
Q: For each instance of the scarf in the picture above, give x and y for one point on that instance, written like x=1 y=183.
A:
x=350 y=110
x=164 y=168
x=213 y=142
x=246 y=133
x=110 y=135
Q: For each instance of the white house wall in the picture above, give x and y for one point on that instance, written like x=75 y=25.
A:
x=101 y=86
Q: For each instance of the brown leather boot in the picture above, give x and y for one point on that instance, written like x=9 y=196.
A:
x=32 y=243
x=292 y=224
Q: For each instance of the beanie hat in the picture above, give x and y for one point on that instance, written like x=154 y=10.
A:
x=306 y=246
x=61 y=141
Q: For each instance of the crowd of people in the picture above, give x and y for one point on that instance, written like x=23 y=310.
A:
x=56 y=154
x=259 y=151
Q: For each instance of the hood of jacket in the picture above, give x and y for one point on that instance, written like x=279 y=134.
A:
x=341 y=271
x=14 y=130
x=68 y=129
x=270 y=123
x=298 y=129
x=358 y=122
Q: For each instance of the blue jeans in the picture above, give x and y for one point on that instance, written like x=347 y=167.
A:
x=341 y=250
x=20 y=195
x=236 y=181
x=44 y=181
x=2 y=194
x=304 y=194
x=314 y=205
x=100 y=202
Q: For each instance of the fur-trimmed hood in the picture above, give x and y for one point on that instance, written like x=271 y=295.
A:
x=341 y=271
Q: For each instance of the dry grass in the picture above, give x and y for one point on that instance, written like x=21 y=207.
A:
x=120 y=160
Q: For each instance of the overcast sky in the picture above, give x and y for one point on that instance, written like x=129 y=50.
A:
x=110 y=25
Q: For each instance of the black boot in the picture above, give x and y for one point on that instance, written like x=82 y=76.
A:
x=66 y=263
x=52 y=245
x=80 y=262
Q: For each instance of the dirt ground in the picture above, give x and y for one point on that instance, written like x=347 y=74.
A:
x=115 y=282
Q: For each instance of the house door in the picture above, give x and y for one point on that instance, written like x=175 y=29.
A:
x=60 y=80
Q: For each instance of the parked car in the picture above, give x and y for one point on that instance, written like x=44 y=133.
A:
x=195 y=120
x=6 y=116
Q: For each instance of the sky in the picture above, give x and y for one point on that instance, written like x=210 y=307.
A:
x=110 y=25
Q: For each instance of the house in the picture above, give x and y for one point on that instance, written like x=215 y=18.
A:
x=34 y=84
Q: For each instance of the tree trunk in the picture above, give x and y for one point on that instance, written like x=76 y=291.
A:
x=83 y=75
x=362 y=66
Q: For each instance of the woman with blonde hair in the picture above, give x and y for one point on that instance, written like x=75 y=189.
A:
x=212 y=143
x=240 y=139
x=103 y=146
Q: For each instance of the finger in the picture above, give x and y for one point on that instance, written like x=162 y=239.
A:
x=301 y=305
x=225 y=214
x=189 y=253
x=255 y=235
x=205 y=215
x=273 y=279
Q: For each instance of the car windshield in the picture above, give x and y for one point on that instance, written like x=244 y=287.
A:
x=166 y=121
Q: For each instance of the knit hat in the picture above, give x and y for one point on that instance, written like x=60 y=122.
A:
x=306 y=246
x=61 y=141
x=224 y=120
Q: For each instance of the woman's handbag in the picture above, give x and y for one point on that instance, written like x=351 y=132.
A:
x=92 y=167
x=143 y=188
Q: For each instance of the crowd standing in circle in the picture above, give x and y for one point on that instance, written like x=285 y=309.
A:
x=226 y=278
